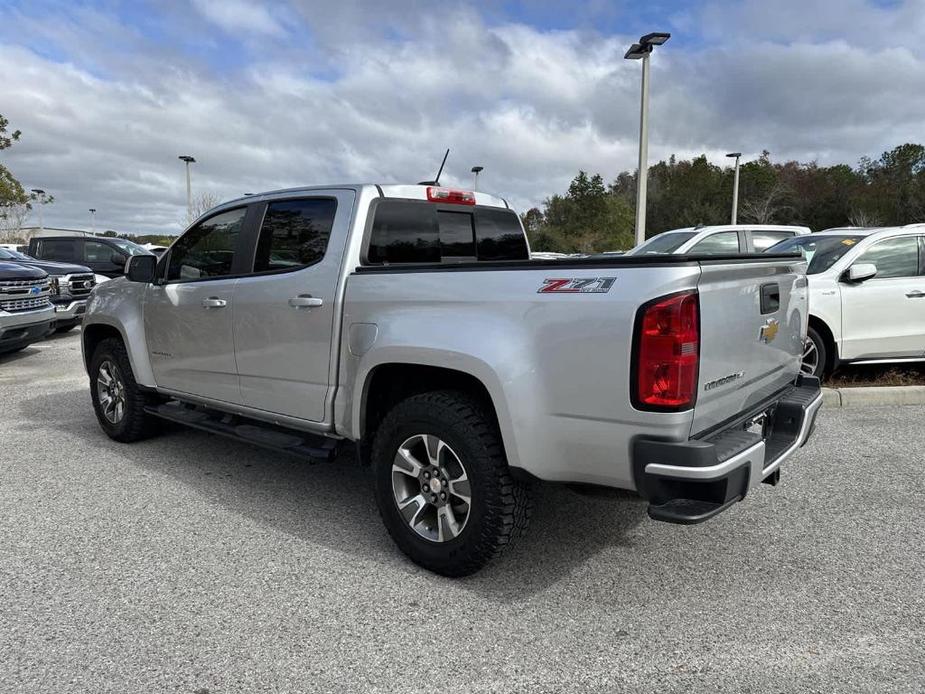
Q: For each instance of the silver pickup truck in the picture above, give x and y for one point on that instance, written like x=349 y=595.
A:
x=408 y=321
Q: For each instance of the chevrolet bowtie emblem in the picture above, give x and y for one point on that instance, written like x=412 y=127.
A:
x=769 y=330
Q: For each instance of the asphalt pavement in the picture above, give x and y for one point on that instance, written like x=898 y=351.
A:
x=189 y=563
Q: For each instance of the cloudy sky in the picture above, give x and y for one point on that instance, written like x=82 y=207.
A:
x=269 y=95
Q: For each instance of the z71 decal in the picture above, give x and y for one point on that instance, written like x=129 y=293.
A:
x=577 y=285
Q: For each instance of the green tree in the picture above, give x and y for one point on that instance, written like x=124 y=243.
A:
x=589 y=218
x=11 y=190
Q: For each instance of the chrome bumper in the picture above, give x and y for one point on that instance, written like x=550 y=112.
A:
x=691 y=481
x=72 y=311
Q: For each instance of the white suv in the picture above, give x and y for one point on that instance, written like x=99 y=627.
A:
x=721 y=239
x=866 y=295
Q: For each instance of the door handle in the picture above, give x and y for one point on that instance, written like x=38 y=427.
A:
x=915 y=294
x=214 y=302
x=305 y=301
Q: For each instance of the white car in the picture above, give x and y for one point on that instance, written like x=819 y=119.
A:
x=866 y=295
x=721 y=239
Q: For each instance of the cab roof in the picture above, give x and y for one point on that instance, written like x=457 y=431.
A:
x=404 y=191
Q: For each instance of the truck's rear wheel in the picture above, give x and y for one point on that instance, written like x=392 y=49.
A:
x=443 y=486
x=117 y=399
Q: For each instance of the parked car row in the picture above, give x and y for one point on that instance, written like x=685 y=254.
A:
x=866 y=295
x=867 y=286
x=39 y=297
x=103 y=255
x=723 y=239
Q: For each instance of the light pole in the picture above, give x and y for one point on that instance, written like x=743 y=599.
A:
x=41 y=196
x=735 y=187
x=476 y=170
x=641 y=51
x=93 y=221
x=189 y=191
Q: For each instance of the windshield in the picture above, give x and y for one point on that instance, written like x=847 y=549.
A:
x=667 y=242
x=130 y=247
x=821 y=252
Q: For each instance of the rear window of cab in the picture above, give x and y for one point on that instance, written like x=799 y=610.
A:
x=406 y=231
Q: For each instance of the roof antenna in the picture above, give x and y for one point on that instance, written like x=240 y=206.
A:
x=436 y=181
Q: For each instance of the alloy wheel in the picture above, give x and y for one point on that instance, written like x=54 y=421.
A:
x=810 y=358
x=110 y=390
x=431 y=488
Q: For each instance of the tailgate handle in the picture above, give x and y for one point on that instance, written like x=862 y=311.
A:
x=770 y=298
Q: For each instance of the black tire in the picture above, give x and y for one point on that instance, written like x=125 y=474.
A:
x=134 y=424
x=64 y=329
x=500 y=506
x=822 y=352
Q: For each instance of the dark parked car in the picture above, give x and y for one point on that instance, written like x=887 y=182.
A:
x=70 y=286
x=102 y=254
x=26 y=314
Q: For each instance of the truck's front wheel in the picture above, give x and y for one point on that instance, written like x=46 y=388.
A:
x=117 y=399
x=443 y=486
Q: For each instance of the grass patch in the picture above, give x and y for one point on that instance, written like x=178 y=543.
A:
x=878 y=375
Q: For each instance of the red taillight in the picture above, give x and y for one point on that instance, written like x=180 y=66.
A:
x=455 y=197
x=668 y=353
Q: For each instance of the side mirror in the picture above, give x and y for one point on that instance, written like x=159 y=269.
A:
x=118 y=259
x=141 y=268
x=860 y=272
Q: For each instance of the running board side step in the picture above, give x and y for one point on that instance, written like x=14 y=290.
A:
x=297 y=443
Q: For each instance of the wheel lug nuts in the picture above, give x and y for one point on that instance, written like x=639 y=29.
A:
x=426 y=475
x=443 y=495
x=426 y=487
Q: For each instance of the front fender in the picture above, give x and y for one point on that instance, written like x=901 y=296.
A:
x=119 y=304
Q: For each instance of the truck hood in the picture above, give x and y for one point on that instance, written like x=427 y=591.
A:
x=54 y=268
x=14 y=271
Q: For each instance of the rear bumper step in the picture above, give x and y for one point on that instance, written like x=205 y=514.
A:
x=692 y=481
x=300 y=444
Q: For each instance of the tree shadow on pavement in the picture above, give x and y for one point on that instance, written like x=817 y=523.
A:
x=332 y=504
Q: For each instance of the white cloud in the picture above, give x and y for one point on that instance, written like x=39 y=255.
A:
x=531 y=106
x=239 y=16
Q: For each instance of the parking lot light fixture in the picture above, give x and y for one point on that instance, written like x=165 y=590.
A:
x=476 y=170
x=189 y=190
x=735 y=186
x=40 y=194
x=641 y=51
x=93 y=221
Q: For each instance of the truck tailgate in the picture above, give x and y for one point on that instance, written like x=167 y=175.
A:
x=753 y=320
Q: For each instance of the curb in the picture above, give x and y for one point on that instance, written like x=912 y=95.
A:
x=873 y=395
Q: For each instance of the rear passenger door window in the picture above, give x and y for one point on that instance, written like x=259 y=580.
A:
x=723 y=243
x=208 y=249
x=294 y=234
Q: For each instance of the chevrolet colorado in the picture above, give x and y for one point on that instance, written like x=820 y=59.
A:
x=409 y=320
x=70 y=286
